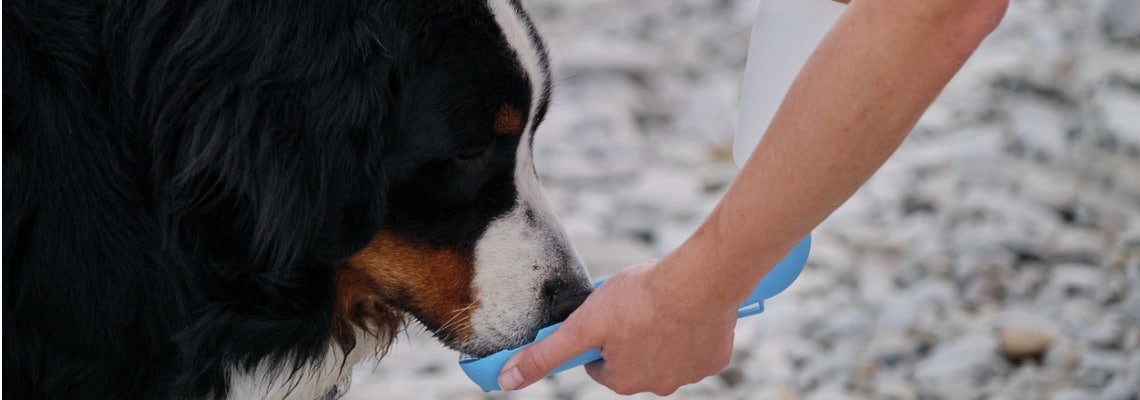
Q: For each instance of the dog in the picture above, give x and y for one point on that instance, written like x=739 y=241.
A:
x=218 y=199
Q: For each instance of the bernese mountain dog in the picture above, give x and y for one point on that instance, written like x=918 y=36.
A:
x=208 y=199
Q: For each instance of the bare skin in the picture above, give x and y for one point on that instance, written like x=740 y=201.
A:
x=660 y=326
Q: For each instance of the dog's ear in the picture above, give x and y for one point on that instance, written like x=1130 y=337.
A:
x=267 y=138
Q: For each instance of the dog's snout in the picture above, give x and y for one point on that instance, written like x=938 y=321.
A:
x=563 y=298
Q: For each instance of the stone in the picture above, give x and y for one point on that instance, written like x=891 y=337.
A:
x=610 y=256
x=1077 y=279
x=1125 y=386
x=1025 y=334
x=1108 y=333
x=891 y=388
x=1021 y=342
x=830 y=392
x=889 y=350
x=769 y=363
x=1063 y=356
x=1072 y=394
x=777 y=392
x=898 y=314
x=1120 y=21
x=966 y=360
x=1041 y=126
x=1078 y=244
x=1098 y=368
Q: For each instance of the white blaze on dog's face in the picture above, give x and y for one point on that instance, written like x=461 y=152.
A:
x=508 y=276
x=469 y=246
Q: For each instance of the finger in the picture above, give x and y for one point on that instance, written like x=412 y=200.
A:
x=596 y=371
x=604 y=375
x=537 y=360
x=599 y=373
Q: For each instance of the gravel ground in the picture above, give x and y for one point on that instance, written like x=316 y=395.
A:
x=997 y=255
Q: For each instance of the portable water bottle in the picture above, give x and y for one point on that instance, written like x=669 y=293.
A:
x=783 y=37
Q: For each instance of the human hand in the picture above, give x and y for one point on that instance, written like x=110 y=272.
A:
x=652 y=336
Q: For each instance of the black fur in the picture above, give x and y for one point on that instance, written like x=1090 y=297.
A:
x=181 y=177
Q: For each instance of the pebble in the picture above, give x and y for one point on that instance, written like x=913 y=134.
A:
x=1125 y=386
x=1019 y=342
x=1098 y=368
x=967 y=359
x=893 y=388
x=1120 y=21
x=1077 y=279
x=1063 y=356
x=778 y=392
x=890 y=350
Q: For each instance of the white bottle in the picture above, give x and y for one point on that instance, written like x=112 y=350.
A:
x=783 y=37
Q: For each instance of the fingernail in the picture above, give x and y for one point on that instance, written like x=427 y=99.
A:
x=511 y=379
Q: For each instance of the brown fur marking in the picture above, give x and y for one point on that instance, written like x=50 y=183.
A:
x=508 y=121
x=391 y=275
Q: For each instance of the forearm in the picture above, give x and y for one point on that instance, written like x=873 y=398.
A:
x=868 y=82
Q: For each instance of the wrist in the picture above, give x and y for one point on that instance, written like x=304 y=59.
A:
x=720 y=265
x=690 y=279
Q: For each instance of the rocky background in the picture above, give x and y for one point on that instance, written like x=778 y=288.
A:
x=996 y=255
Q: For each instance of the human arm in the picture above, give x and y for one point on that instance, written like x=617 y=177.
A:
x=663 y=325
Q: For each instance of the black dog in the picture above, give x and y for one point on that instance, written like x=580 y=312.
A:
x=242 y=199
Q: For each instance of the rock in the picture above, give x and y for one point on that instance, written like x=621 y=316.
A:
x=1041 y=126
x=967 y=360
x=876 y=284
x=1125 y=386
x=770 y=363
x=1120 y=21
x=1108 y=333
x=1072 y=394
x=541 y=390
x=830 y=392
x=1121 y=119
x=731 y=376
x=1077 y=279
x=709 y=110
x=1026 y=284
x=934 y=293
x=1098 y=368
x=888 y=350
x=898 y=314
x=777 y=392
x=892 y=388
x=1021 y=342
x=849 y=322
x=1079 y=313
x=1026 y=330
x=1024 y=383
x=610 y=256
x=1078 y=244
x=1063 y=356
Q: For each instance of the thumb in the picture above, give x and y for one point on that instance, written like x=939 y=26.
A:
x=537 y=360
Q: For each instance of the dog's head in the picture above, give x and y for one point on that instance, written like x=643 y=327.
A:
x=468 y=244
x=386 y=142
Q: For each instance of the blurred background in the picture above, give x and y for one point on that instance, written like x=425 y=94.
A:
x=996 y=255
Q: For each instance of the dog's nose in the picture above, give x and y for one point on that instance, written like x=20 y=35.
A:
x=563 y=298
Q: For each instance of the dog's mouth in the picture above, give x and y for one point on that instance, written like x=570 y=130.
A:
x=471 y=303
x=491 y=333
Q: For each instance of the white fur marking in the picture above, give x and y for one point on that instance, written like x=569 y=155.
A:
x=518 y=253
x=312 y=381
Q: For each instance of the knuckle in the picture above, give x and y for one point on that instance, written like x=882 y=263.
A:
x=533 y=363
x=665 y=390
x=626 y=389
